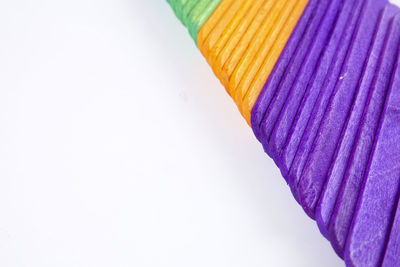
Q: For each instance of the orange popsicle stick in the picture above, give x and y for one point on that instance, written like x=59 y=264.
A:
x=228 y=32
x=217 y=31
x=253 y=50
x=258 y=83
x=236 y=36
x=212 y=21
x=244 y=43
x=258 y=60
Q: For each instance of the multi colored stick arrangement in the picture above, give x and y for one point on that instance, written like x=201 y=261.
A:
x=319 y=83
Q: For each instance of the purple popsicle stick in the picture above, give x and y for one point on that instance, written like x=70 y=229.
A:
x=314 y=174
x=392 y=253
x=318 y=110
x=345 y=204
x=300 y=122
x=343 y=151
x=277 y=73
x=376 y=205
x=287 y=112
x=325 y=12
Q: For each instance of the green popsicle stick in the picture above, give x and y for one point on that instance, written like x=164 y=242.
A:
x=193 y=13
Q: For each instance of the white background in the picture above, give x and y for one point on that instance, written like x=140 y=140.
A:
x=119 y=147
